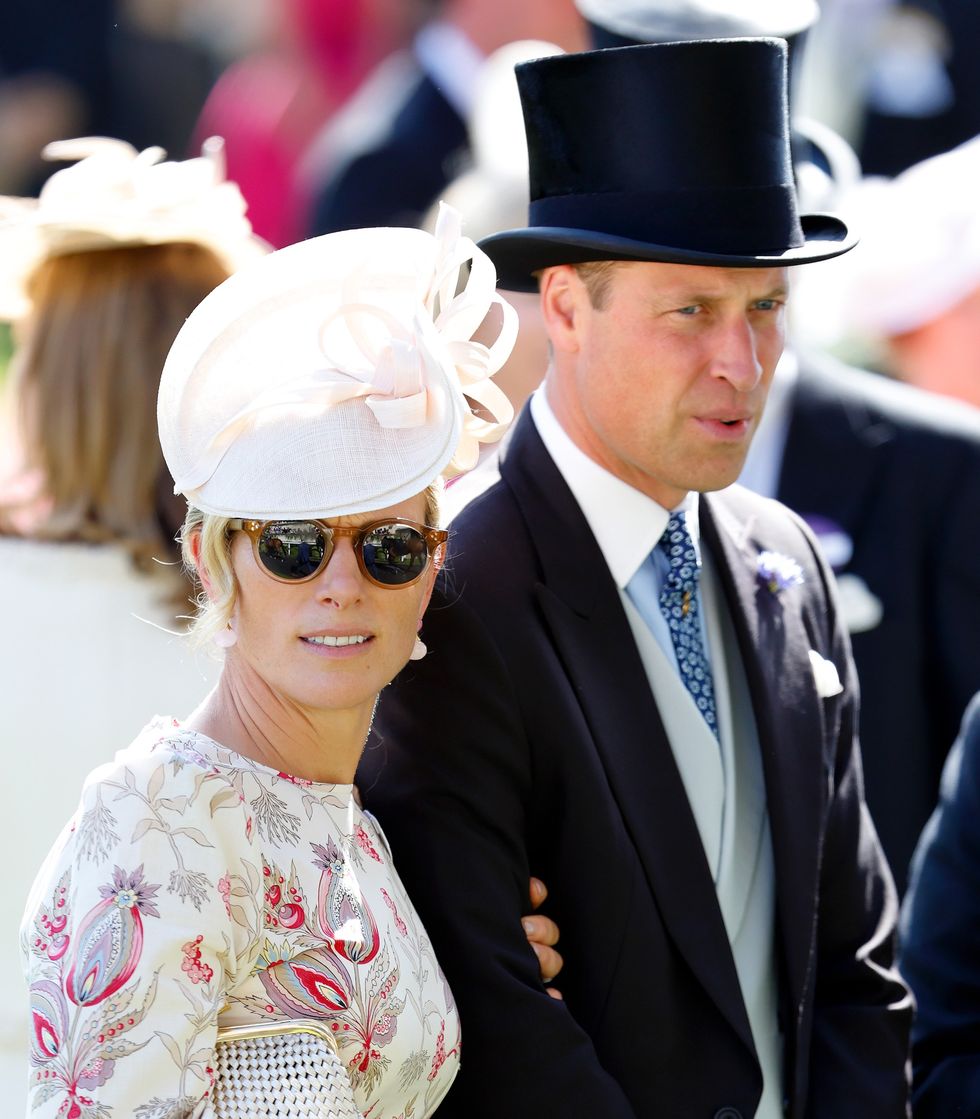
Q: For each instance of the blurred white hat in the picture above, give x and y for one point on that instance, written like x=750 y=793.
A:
x=919 y=253
x=115 y=197
x=329 y=377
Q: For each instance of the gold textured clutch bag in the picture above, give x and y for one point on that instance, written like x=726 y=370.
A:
x=285 y=1070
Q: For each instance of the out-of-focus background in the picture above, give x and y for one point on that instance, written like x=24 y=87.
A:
x=343 y=112
x=897 y=80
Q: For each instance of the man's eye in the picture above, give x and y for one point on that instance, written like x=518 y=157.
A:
x=693 y=309
x=768 y=305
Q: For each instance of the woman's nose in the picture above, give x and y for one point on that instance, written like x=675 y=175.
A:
x=341 y=581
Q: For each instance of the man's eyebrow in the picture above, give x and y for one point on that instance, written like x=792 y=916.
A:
x=690 y=297
x=780 y=291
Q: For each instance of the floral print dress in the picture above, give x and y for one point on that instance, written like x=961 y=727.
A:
x=194 y=887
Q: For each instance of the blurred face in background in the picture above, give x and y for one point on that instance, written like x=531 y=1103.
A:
x=943 y=355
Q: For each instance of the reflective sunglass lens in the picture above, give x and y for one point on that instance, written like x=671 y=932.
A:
x=394 y=554
x=292 y=549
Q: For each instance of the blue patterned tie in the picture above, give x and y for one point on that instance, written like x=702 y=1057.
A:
x=681 y=607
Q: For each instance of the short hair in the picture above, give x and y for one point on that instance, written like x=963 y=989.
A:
x=213 y=612
x=597 y=276
x=86 y=375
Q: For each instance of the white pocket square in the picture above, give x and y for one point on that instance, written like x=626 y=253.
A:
x=825 y=676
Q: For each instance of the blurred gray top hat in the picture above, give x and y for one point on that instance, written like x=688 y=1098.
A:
x=625 y=22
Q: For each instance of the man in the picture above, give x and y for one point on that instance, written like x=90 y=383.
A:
x=874 y=467
x=404 y=136
x=644 y=693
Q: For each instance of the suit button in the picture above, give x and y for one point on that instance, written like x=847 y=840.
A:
x=728 y=1113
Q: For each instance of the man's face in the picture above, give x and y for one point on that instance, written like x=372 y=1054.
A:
x=664 y=384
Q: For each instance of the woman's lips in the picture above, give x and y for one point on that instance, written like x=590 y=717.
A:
x=337 y=644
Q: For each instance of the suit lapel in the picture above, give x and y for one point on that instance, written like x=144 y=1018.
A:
x=775 y=648
x=584 y=614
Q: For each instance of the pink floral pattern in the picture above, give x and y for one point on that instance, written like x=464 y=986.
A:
x=197 y=887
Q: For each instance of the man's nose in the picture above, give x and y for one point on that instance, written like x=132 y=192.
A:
x=736 y=356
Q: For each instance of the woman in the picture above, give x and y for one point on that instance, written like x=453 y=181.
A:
x=97 y=274
x=220 y=872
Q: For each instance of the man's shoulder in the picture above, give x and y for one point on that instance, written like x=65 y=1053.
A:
x=912 y=416
x=489 y=538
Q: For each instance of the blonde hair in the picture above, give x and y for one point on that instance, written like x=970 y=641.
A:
x=205 y=544
x=86 y=376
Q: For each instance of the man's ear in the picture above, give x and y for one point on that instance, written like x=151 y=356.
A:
x=563 y=296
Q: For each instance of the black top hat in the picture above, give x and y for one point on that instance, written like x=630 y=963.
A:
x=675 y=152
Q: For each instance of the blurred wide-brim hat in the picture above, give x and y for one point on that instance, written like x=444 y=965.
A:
x=919 y=256
x=335 y=376
x=673 y=152
x=116 y=197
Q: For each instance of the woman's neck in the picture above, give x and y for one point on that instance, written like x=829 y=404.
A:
x=245 y=715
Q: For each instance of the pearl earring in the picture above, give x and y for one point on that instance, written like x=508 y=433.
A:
x=418 y=650
x=226 y=637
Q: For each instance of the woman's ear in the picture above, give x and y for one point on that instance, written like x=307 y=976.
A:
x=194 y=546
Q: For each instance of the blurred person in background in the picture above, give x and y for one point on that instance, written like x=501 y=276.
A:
x=269 y=104
x=492 y=195
x=940 y=940
x=98 y=275
x=922 y=85
x=385 y=160
x=54 y=80
x=897 y=78
x=909 y=302
x=138 y=70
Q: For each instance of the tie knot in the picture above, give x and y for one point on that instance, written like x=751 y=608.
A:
x=679 y=549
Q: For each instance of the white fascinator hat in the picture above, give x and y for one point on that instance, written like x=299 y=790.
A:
x=337 y=375
x=115 y=197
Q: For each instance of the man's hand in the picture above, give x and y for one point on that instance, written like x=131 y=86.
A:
x=542 y=934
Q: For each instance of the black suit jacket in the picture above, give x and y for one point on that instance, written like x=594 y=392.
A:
x=941 y=940
x=395 y=180
x=899 y=471
x=529 y=740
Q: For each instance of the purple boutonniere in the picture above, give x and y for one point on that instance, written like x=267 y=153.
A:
x=779 y=572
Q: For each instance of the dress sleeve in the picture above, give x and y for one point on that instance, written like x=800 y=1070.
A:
x=138 y=925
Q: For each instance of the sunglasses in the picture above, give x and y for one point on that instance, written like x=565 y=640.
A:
x=389 y=553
